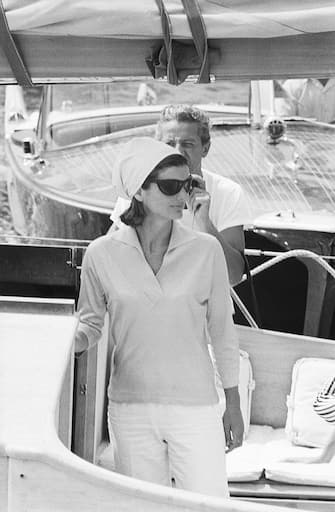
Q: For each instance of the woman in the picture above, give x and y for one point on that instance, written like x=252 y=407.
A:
x=165 y=288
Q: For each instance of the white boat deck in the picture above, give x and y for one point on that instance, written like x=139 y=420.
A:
x=37 y=471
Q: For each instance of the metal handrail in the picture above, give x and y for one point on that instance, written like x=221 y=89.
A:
x=278 y=257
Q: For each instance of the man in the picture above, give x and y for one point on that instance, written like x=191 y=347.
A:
x=308 y=97
x=217 y=205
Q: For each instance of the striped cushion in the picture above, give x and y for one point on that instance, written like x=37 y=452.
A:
x=304 y=427
x=324 y=404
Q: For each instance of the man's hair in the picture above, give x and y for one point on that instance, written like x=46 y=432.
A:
x=185 y=114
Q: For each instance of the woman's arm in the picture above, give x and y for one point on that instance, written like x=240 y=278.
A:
x=91 y=305
x=225 y=347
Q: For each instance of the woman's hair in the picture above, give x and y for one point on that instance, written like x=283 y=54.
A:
x=134 y=215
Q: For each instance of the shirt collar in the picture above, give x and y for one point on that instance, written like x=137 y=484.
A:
x=179 y=236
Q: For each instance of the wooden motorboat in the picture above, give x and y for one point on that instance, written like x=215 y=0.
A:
x=60 y=186
x=108 y=41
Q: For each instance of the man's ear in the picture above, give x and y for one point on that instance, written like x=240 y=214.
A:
x=205 y=148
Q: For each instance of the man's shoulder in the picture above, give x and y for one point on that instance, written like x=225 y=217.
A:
x=216 y=180
x=294 y=85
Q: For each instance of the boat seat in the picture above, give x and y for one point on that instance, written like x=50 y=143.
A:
x=65 y=134
x=257 y=460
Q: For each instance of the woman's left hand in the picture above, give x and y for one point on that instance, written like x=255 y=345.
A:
x=232 y=420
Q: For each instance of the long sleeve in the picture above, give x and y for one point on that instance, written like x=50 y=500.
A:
x=324 y=404
x=221 y=328
x=92 y=301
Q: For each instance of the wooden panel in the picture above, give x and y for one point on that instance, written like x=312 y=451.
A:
x=84 y=404
x=67 y=58
x=91 y=382
x=272 y=357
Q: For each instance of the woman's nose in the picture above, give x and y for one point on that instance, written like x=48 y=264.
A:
x=183 y=194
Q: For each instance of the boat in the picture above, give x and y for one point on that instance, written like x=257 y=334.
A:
x=54 y=459
x=60 y=185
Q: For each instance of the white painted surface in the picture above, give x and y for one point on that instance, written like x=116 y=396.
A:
x=42 y=473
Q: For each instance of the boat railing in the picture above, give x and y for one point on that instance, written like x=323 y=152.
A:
x=278 y=257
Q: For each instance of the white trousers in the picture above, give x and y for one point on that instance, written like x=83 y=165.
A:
x=156 y=442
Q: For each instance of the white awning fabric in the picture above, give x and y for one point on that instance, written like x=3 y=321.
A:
x=140 y=19
x=74 y=40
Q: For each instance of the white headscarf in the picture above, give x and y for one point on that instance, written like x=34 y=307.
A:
x=135 y=161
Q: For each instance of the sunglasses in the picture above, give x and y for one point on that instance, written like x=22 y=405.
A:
x=172 y=187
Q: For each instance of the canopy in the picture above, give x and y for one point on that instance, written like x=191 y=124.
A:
x=109 y=39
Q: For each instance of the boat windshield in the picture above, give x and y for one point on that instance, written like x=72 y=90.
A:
x=77 y=113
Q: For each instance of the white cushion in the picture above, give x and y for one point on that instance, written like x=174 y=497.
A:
x=262 y=450
x=264 y=447
x=303 y=474
x=303 y=426
x=246 y=464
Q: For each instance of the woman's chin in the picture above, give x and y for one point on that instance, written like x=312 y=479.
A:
x=177 y=212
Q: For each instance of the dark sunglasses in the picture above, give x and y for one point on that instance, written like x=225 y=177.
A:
x=172 y=187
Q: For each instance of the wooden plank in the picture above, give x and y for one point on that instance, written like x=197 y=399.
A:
x=60 y=58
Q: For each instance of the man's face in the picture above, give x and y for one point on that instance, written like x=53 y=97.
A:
x=184 y=136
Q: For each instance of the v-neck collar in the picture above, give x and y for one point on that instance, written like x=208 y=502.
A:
x=144 y=278
x=180 y=235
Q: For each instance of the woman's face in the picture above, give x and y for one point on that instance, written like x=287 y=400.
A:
x=161 y=205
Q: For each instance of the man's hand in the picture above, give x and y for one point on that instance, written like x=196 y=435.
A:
x=232 y=420
x=199 y=202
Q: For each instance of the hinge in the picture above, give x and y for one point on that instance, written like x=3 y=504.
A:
x=83 y=389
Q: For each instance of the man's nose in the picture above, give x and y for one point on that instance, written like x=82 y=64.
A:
x=179 y=147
